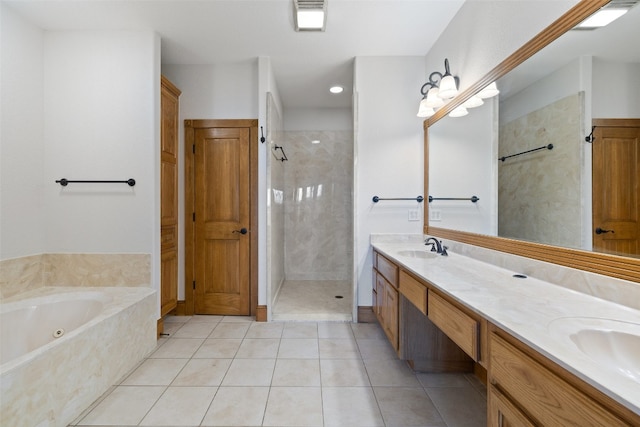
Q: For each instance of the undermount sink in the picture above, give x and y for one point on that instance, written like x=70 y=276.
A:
x=418 y=254
x=613 y=344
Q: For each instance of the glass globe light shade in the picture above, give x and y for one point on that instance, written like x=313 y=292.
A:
x=448 y=87
x=488 y=91
x=459 y=112
x=433 y=98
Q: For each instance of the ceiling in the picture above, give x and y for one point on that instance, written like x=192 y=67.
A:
x=305 y=64
x=617 y=42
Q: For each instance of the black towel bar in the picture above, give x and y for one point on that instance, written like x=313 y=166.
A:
x=548 y=147
x=131 y=182
x=418 y=199
x=472 y=199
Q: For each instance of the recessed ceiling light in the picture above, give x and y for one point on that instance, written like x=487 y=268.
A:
x=315 y=141
x=336 y=89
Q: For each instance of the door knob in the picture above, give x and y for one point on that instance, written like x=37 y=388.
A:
x=602 y=231
x=241 y=231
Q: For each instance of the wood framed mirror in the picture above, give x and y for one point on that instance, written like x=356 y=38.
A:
x=624 y=267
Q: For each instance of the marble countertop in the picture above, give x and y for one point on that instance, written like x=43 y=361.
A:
x=536 y=312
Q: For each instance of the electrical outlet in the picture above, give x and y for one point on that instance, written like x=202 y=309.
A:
x=435 y=215
x=414 y=215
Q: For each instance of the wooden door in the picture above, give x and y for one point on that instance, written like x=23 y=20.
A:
x=168 y=196
x=224 y=226
x=616 y=186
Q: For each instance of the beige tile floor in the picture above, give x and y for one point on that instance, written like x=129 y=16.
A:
x=232 y=371
x=314 y=300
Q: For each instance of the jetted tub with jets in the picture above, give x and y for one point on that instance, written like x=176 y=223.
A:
x=63 y=347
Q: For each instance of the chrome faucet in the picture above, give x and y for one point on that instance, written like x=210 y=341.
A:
x=436 y=246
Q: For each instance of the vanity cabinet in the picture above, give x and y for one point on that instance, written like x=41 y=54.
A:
x=463 y=329
x=528 y=389
x=385 y=276
x=414 y=290
x=400 y=305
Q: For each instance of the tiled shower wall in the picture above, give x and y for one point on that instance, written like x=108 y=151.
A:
x=540 y=193
x=318 y=205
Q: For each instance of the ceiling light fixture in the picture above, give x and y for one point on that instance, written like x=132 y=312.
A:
x=607 y=14
x=336 y=89
x=310 y=15
x=436 y=90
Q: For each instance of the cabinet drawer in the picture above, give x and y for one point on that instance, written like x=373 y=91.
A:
x=502 y=413
x=388 y=269
x=414 y=291
x=541 y=393
x=461 y=328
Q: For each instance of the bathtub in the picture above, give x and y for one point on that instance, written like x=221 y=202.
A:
x=63 y=347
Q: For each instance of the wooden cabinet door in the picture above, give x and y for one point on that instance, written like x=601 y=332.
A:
x=502 y=413
x=380 y=294
x=391 y=314
x=168 y=196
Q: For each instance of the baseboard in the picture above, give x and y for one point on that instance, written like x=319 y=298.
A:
x=181 y=308
x=366 y=315
x=261 y=313
x=160 y=327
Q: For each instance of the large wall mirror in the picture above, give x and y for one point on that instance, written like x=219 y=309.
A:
x=523 y=154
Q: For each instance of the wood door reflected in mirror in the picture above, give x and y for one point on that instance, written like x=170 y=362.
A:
x=550 y=98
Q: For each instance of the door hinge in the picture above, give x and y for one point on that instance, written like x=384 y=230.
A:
x=194 y=284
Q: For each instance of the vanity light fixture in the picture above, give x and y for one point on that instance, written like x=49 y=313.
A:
x=459 y=111
x=436 y=90
x=488 y=91
x=473 y=102
x=310 y=15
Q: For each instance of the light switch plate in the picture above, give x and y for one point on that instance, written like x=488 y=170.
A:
x=435 y=215
x=414 y=215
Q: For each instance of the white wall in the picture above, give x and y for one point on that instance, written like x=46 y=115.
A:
x=558 y=84
x=619 y=97
x=484 y=33
x=21 y=137
x=100 y=96
x=462 y=163
x=216 y=91
x=318 y=119
x=389 y=153
x=80 y=105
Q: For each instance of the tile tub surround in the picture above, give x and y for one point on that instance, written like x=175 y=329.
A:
x=55 y=385
x=525 y=308
x=23 y=274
